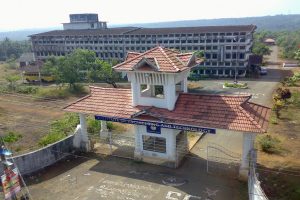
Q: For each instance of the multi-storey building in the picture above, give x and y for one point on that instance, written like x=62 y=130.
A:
x=227 y=48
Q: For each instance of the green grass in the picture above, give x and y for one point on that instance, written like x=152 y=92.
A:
x=11 y=137
x=236 y=85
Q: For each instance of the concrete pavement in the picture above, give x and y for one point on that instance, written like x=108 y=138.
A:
x=116 y=178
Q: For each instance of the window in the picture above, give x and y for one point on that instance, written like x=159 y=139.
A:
x=156 y=144
x=156 y=91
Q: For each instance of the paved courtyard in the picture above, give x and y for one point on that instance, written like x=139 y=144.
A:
x=123 y=179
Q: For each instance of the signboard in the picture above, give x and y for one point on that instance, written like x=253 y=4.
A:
x=158 y=124
x=153 y=129
x=10 y=183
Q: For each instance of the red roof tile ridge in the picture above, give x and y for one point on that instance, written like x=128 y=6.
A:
x=108 y=88
x=258 y=104
x=138 y=56
x=168 y=58
x=185 y=53
x=255 y=123
x=219 y=95
x=78 y=100
x=180 y=61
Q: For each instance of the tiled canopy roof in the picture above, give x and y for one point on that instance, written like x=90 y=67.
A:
x=212 y=111
x=166 y=60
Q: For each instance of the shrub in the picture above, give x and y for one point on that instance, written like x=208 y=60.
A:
x=11 y=137
x=51 y=138
x=270 y=144
x=53 y=93
x=60 y=129
x=93 y=126
x=236 y=85
x=27 y=89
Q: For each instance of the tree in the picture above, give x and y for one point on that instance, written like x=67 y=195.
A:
x=282 y=94
x=12 y=80
x=103 y=71
x=71 y=68
x=260 y=48
x=12 y=49
x=79 y=66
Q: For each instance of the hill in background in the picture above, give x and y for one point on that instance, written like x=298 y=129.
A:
x=271 y=23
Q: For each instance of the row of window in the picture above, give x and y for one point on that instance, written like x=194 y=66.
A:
x=219 y=72
x=143 y=48
x=222 y=64
x=150 y=36
x=168 y=41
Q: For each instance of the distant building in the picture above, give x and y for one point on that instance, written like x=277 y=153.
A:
x=227 y=48
x=26 y=59
x=269 y=41
x=84 y=21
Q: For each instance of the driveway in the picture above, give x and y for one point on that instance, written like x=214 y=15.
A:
x=123 y=179
x=260 y=88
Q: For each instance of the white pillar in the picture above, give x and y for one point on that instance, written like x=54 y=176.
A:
x=184 y=85
x=135 y=90
x=138 y=144
x=171 y=145
x=170 y=94
x=248 y=145
x=104 y=130
x=85 y=143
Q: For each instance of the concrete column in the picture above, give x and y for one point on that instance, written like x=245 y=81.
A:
x=85 y=143
x=135 y=90
x=170 y=95
x=248 y=144
x=104 y=130
x=171 y=145
x=152 y=90
x=184 y=85
x=138 y=144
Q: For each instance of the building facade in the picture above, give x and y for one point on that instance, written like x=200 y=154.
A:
x=227 y=48
x=84 y=21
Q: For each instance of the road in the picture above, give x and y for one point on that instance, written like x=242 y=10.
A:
x=123 y=179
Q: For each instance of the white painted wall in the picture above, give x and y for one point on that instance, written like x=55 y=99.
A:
x=155 y=78
x=168 y=134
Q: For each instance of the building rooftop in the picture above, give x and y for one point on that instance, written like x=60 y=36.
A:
x=158 y=59
x=144 y=31
x=212 y=111
x=27 y=57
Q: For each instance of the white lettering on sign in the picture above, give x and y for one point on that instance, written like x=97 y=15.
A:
x=175 y=196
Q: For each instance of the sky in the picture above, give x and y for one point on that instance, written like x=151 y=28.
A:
x=24 y=14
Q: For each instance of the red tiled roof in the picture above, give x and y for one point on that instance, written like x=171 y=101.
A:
x=167 y=60
x=131 y=55
x=112 y=102
x=212 y=111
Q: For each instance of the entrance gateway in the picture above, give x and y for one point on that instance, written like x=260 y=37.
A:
x=161 y=109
